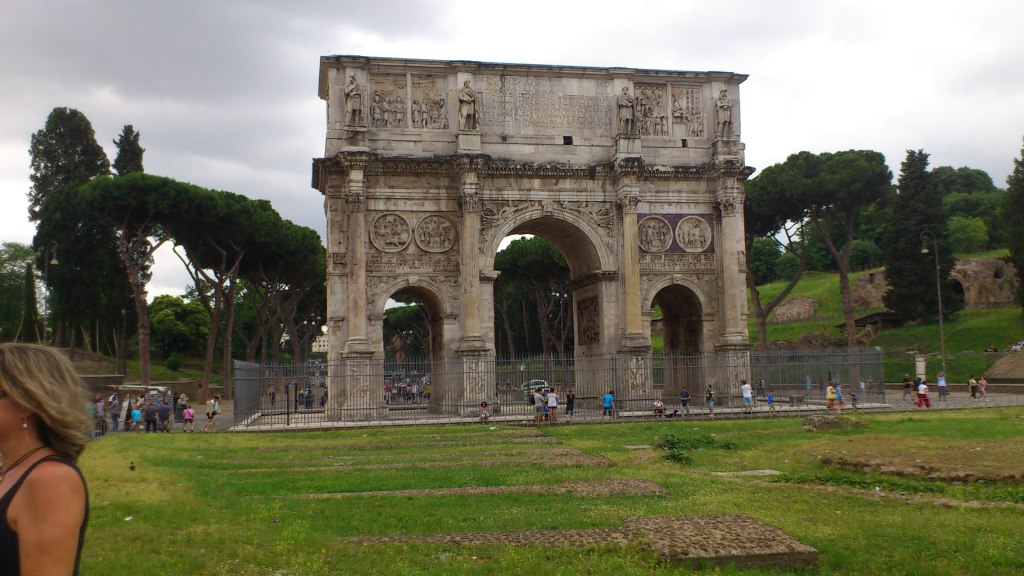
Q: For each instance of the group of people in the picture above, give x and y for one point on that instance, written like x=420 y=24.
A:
x=546 y=405
x=916 y=390
x=149 y=415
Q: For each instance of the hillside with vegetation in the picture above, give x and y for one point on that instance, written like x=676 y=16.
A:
x=968 y=333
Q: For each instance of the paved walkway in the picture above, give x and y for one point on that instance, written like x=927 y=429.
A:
x=892 y=403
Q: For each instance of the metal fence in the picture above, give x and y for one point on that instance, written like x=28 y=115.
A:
x=377 y=392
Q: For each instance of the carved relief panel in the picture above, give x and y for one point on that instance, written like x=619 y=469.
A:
x=428 y=103
x=435 y=234
x=650 y=110
x=693 y=234
x=390 y=232
x=655 y=234
x=688 y=111
x=588 y=320
x=387 y=109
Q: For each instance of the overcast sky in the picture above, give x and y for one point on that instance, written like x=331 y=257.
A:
x=224 y=93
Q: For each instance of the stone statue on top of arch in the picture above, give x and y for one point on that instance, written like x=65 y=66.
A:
x=468 y=113
x=627 y=116
x=723 y=111
x=354 y=103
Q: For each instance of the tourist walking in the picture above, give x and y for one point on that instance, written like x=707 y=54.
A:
x=539 y=406
x=570 y=404
x=709 y=400
x=188 y=415
x=212 y=409
x=830 y=399
x=982 y=387
x=684 y=399
x=771 y=402
x=973 y=385
x=748 y=398
x=608 y=405
x=940 y=381
x=164 y=415
x=907 y=383
x=839 y=398
x=150 y=412
x=922 y=395
x=115 y=411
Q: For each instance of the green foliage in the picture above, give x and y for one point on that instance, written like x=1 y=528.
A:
x=967 y=234
x=172 y=364
x=129 y=152
x=864 y=255
x=64 y=153
x=918 y=222
x=678 y=449
x=1014 y=216
x=532 y=300
x=178 y=326
x=987 y=206
x=15 y=265
x=406 y=332
x=763 y=259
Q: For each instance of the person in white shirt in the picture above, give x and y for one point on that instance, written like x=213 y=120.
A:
x=553 y=406
x=922 y=395
x=748 y=397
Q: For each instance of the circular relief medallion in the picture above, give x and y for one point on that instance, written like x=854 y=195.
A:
x=693 y=234
x=435 y=234
x=390 y=232
x=655 y=234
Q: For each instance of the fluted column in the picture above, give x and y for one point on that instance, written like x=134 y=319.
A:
x=729 y=199
x=355 y=204
x=469 y=198
x=629 y=197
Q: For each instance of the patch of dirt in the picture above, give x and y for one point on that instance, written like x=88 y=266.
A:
x=592 y=488
x=1009 y=366
x=691 y=540
x=541 y=460
x=400 y=445
x=819 y=423
x=920 y=470
x=303 y=456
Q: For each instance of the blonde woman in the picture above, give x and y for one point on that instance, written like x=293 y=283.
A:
x=44 y=426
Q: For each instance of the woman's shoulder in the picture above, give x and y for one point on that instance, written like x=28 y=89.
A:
x=53 y=480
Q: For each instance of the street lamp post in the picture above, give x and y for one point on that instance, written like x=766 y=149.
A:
x=926 y=237
x=49 y=259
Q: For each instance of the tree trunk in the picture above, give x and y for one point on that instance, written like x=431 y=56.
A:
x=842 y=260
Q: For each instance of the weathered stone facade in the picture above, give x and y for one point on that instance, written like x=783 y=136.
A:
x=635 y=175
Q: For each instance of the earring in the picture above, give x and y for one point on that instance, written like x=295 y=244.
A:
x=24 y=423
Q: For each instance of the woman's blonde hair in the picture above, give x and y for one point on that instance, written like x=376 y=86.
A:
x=43 y=381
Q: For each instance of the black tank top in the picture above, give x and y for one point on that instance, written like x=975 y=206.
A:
x=9 y=562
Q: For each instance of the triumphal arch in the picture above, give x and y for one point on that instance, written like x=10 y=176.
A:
x=635 y=175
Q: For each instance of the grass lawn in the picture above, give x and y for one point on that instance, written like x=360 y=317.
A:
x=235 y=504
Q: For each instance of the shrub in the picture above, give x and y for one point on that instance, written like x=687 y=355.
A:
x=172 y=364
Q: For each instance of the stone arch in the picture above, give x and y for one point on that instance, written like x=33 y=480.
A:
x=591 y=264
x=683 y=281
x=581 y=242
x=437 y=307
x=682 y=323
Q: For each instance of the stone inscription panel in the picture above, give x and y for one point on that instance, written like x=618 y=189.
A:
x=514 y=103
x=678 y=263
x=411 y=263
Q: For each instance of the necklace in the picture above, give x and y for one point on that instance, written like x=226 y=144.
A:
x=5 y=470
